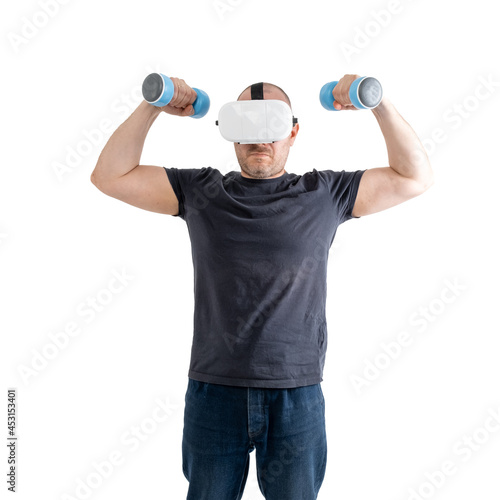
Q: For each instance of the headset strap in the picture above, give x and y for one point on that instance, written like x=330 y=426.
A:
x=257 y=90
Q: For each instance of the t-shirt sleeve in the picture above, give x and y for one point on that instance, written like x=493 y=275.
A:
x=343 y=188
x=193 y=187
x=182 y=181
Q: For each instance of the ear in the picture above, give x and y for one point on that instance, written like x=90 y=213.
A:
x=293 y=134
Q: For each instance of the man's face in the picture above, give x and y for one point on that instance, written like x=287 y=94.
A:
x=264 y=161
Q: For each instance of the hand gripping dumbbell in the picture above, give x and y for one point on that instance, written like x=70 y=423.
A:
x=364 y=92
x=158 y=90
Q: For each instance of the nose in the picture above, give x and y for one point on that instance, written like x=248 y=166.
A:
x=260 y=149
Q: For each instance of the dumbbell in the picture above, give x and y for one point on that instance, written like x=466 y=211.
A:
x=158 y=90
x=364 y=92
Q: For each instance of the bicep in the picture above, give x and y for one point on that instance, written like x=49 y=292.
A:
x=382 y=188
x=146 y=187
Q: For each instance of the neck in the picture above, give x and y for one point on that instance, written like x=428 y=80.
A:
x=279 y=174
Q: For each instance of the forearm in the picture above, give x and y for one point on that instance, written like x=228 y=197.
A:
x=122 y=152
x=406 y=153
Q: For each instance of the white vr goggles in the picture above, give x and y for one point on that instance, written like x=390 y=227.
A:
x=256 y=121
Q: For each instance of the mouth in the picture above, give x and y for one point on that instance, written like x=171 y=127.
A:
x=259 y=153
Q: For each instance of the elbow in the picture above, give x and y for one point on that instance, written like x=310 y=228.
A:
x=424 y=178
x=428 y=181
x=416 y=186
x=94 y=179
x=422 y=186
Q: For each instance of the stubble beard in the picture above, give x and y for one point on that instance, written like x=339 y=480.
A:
x=260 y=167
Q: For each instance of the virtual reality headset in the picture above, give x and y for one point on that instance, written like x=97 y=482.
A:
x=256 y=121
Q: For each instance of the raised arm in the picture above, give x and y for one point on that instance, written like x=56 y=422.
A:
x=409 y=173
x=118 y=172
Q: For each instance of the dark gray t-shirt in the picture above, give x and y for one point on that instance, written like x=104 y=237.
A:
x=260 y=252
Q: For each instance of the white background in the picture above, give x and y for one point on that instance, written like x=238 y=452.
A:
x=61 y=239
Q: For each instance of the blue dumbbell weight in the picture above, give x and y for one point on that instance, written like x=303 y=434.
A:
x=364 y=92
x=158 y=90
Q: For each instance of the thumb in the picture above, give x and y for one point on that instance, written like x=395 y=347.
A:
x=188 y=110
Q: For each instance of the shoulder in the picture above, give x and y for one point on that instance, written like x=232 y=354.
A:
x=329 y=177
x=339 y=177
x=194 y=175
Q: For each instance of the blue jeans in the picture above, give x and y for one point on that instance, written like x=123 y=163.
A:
x=223 y=424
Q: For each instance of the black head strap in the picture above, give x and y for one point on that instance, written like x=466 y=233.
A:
x=257 y=90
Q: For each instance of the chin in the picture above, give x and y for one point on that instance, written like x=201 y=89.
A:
x=261 y=171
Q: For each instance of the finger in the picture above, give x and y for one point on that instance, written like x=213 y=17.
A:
x=175 y=96
x=338 y=95
x=341 y=94
x=178 y=96
x=342 y=90
x=178 y=111
x=172 y=110
x=185 y=95
x=189 y=95
x=187 y=111
x=193 y=96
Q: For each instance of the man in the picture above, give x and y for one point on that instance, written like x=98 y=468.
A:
x=260 y=240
